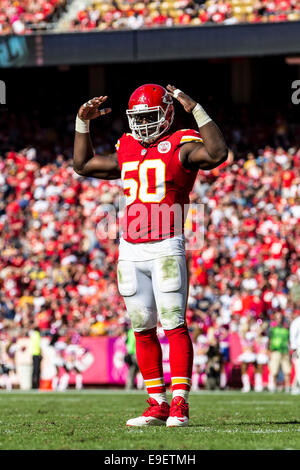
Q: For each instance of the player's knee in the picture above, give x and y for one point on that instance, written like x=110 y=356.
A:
x=171 y=292
x=171 y=316
x=142 y=318
x=142 y=321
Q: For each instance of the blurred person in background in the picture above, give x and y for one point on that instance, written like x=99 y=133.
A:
x=248 y=355
x=76 y=359
x=279 y=352
x=131 y=360
x=23 y=360
x=214 y=355
x=225 y=355
x=54 y=357
x=213 y=367
x=295 y=348
x=35 y=347
x=7 y=363
x=201 y=346
x=262 y=353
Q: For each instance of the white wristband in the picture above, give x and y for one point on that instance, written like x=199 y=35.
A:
x=200 y=115
x=176 y=92
x=82 y=125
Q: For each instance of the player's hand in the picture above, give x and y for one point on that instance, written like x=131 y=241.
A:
x=187 y=102
x=90 y=109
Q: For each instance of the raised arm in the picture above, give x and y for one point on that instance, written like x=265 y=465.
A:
x=214 y=150
x=86 y=163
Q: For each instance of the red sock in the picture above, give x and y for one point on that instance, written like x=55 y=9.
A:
x=181 y=357
x=149 y=357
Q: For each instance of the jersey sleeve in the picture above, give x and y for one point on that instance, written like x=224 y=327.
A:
x=120 y=146
x=180 y=138
x=189 y=135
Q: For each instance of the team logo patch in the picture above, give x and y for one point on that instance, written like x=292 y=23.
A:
x=164 y=147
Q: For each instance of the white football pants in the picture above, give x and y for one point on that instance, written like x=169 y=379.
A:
x=154 y=289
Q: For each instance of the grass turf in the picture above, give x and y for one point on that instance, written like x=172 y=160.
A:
x=96 y=420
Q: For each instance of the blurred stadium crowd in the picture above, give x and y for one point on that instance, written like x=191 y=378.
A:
x=25 y=16
x=134 y=15
x=58 y=273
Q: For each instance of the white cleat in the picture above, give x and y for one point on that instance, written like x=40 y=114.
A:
x=144 y=421
x=179 y=413
x=173 y=421
x=154 y=415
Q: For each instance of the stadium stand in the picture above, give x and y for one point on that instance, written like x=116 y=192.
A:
x=26 y=16
x=50 y=253
x=58 y=271
x=134 y=15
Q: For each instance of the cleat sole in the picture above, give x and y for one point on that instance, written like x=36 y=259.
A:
x=153 y=422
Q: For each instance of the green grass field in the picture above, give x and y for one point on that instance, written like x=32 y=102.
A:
x=95 y=419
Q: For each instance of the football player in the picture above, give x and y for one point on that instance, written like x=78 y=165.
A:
x=158 y=168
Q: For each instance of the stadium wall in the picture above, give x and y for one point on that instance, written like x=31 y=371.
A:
x=107 y=367
x=146 y=45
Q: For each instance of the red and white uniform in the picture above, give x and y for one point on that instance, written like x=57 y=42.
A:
x=154 y=180
x=201 y=347
x=262 y=349
x=248 y=345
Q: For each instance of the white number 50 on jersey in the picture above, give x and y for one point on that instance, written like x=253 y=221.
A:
x=140 y=187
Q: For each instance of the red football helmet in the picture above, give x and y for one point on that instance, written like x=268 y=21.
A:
x=150 y=113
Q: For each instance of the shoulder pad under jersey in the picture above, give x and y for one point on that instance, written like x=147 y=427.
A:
x=121 y=139
x=189 y=135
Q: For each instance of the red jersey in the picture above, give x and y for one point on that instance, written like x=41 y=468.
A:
x=154 y=180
